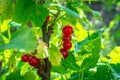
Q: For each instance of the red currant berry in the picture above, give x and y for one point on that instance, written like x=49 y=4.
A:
x=48 y=19
x=67 y=45
x=25 y=57
x=66 y=38
x=67 y=30
x=33 y=61
x=64 y=53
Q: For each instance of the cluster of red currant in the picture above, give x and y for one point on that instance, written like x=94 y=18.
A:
x=32 y=60
x=67 y=44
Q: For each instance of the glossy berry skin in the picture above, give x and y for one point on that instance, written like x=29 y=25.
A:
x=25 y=57
x=67 y=45
x=67 y=30
x=66 y=38
x=33 y=61
x=48 y=19
x=64 y=53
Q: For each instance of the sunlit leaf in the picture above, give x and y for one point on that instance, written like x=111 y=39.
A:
x=79 y=45
x=115 y=55
x=54 y=55
x=41 y=49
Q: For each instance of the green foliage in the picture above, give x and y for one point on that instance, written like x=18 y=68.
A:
x=24 y=30
x=70 y=62
x=116 y=70
x=29 y=76
x=17 y=76
x=114 y=55
x=54 y=55
x=88 y=40
x=22 y=10
x=61 y=69
x=22 y=38
x=88 y=9
x=14 y=75
x=7 y=8
x=103 y=73
x=27 y=10
x=74 y=76
x=1 y=40
x=89 y=62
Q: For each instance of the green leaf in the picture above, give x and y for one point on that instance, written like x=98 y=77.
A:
x=22 y=10
x=70 y=62
x=39 y=15
x=115 y=69
x=91 y=61
x=42 y=49
x=14 y=75
x=29 y=76
x=1 y=40
x=84 y=7
x=54 y=55
x=74 y=76
x=69 y=5
x=103 y=73
x=115 y=55
x=23 y=40
x=27 y=10
x=71 y=12
x=59 y=69
x=7 y=8
x=97 y=47
x=96 y=14
x=80 y=45
x=70 y=18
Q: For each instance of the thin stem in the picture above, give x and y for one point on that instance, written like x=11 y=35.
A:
x=46 y=34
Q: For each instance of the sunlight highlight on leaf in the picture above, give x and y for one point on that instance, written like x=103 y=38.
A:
x=80 y=32
x=54 y=55
x=42 y=49
x=115 y=55
x=4 y=25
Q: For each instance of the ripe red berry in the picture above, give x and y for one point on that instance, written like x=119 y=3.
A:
x=48 y=19
x=33 y=61
x=66 y=38
x=67 y=30
x=64 y=53
x=67 y=45
x=25 y=57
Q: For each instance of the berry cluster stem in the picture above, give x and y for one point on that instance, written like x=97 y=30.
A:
x=46 y=33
